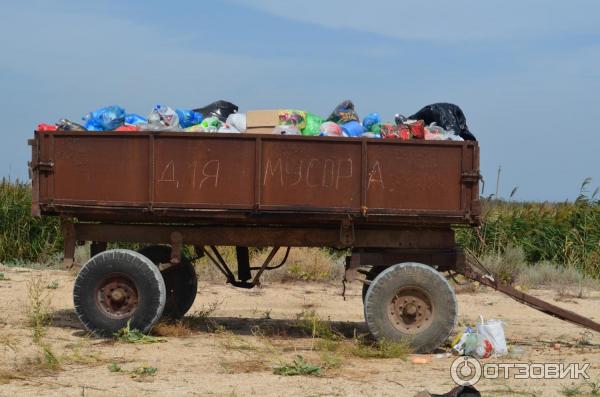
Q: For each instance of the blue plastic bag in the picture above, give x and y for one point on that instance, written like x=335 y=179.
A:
x=135 y=119
x=188 y=118
x=105 y=119
x=370 y=120
x=353 y=129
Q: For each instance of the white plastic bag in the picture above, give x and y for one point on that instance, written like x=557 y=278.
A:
x=237 y=121
x=493 y=330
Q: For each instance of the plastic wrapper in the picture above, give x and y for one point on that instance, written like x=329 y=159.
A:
x=188 y=118
x=104 y=119
x=237 y=121
x=293 y=117
x=135 y=119
x=227 y=129
x=391 y=131
x=220 y=109
x=413 y=129
x=370 y=134
x=448 y=116
x=68 y=125
x=46 y=127
x=343 y=113
x=313 y=124
x=436 y=133
x=353 y=129
x=286 y=130
x=195 y=128
x=329 y=128
x=473 y=344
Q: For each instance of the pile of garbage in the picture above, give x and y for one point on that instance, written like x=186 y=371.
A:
x=485 y=340
x=439 y=121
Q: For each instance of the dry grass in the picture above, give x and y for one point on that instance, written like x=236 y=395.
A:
x=303 y=264
x=198 y=320
x=177 y=329
x=38 y=311
x=506 y=266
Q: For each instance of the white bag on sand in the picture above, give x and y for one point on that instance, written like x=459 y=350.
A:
x=493 y=330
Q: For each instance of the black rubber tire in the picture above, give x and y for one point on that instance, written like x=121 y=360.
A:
x=370 y=276
x=135 y=267
x=443 y=300
x=181 y=281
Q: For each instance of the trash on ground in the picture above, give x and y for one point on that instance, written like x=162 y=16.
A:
x=493 y=330
x=485 y=340
x=420 y=360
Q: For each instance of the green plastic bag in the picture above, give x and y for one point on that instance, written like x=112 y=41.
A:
x=313 y=124
x=211 y=122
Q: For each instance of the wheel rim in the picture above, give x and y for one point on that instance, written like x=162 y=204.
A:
x=411 y=310
x=117 y=296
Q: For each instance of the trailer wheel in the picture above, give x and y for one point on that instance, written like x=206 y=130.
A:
x=116 y=287
x=412 y=302
x=181 y=281
x=370 y=276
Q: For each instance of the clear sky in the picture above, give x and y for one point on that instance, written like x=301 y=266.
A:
x=526 y=73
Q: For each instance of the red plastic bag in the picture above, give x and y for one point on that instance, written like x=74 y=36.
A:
x=126 y=127
x=417 y=129
x=395 y=131
x=46 y=127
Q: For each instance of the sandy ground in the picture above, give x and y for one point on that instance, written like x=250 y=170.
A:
x=256 y=334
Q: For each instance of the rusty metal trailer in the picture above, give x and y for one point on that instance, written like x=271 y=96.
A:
x=392 y=204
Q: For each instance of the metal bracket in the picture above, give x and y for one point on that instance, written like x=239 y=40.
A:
x=470 y=177
x=70 y=242
x=176 y=247
x=43 y=166
x=351 y=268
x=472 y=268
x=347 y=235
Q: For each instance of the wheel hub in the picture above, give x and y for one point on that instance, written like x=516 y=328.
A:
x=411 y=310
x=117 y=296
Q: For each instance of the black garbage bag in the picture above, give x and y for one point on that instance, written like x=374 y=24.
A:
x=220 y=109
x=343 y=113
x=446 y=115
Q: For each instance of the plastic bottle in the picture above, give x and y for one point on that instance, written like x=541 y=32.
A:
x=167 y=115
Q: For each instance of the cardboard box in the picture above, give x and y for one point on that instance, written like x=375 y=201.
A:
x=261 y=121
